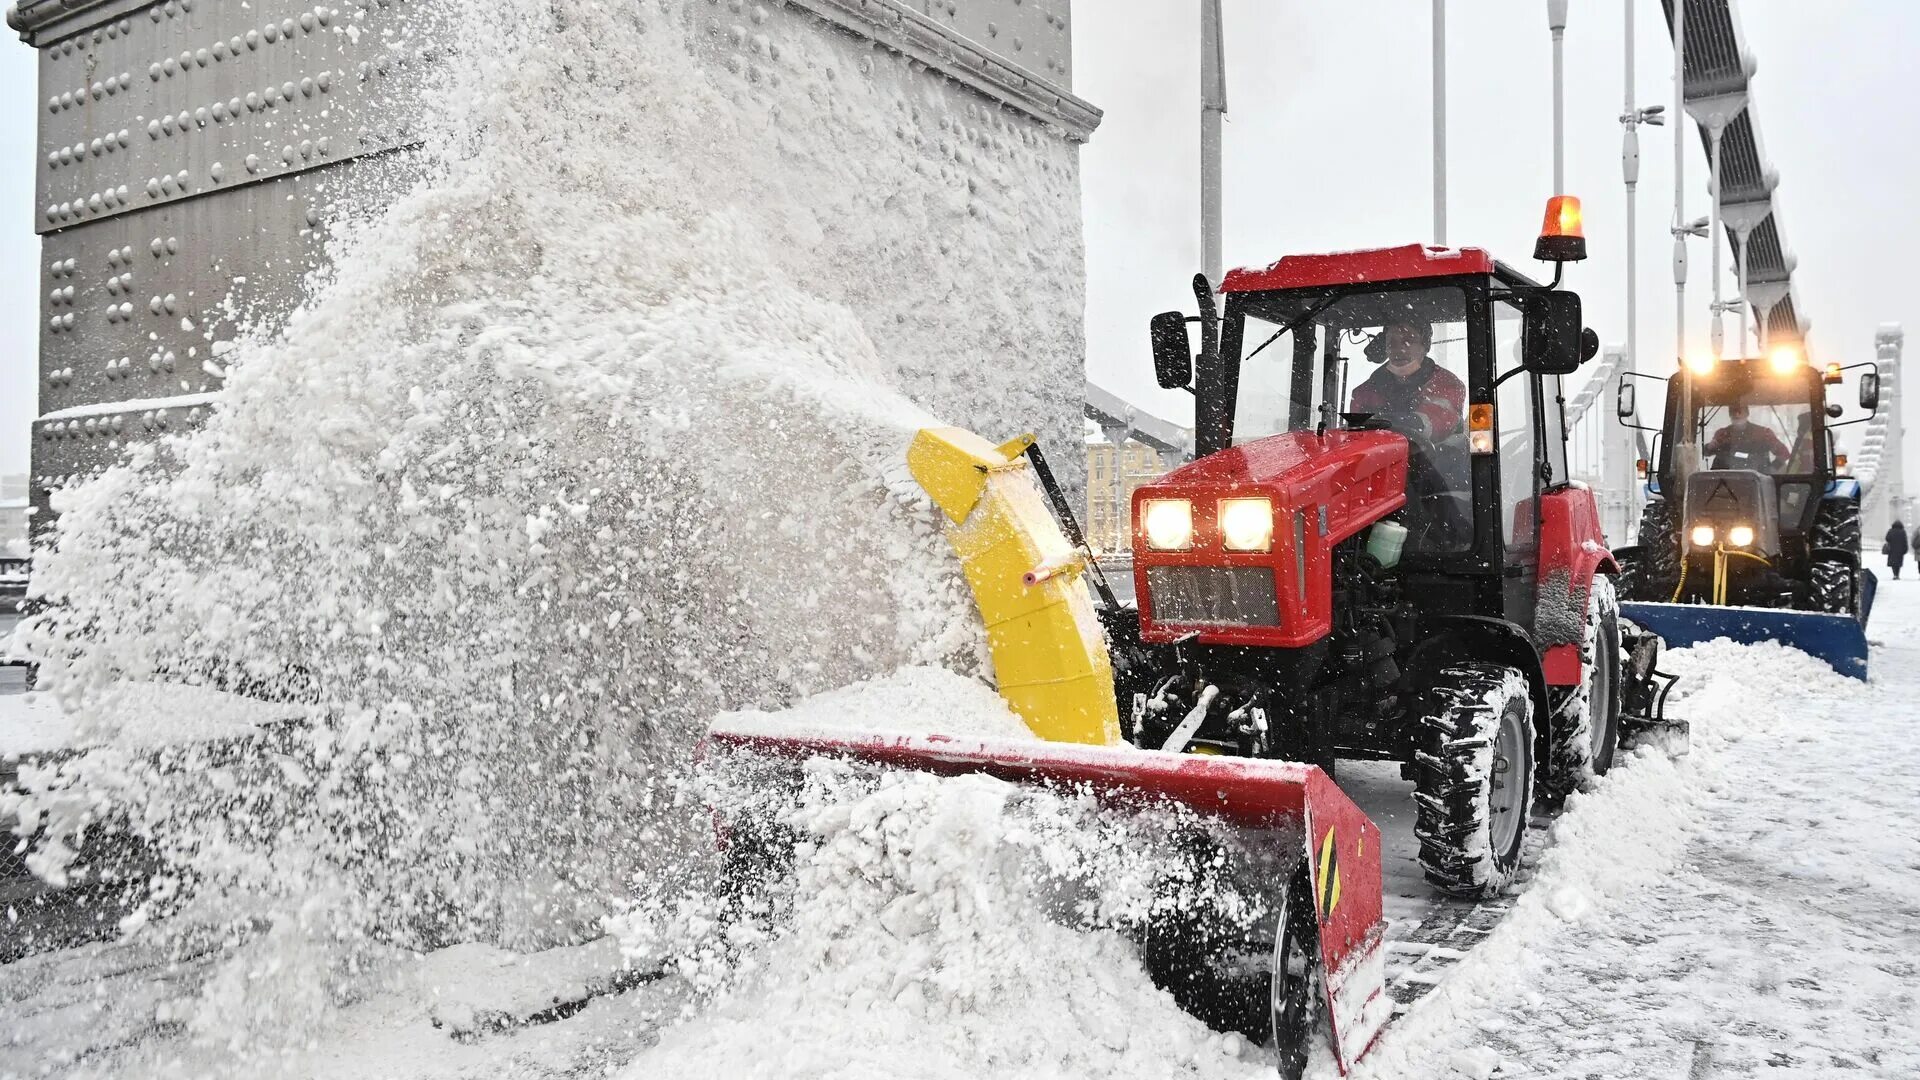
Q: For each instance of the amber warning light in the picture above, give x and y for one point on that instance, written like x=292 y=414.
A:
x=1561 y=236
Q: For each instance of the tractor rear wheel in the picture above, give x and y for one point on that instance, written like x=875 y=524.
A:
x=1586 y=718
x=1474 y=777
x=1656 y=573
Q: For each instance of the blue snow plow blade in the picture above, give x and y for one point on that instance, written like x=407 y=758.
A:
x=1840 y=640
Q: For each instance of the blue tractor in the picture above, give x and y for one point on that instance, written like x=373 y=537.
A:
x=1752 y=526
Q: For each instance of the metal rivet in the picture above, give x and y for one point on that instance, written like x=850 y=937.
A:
x=306 y=87
x=324 y=81
x=200 y=58
x=200 y=116
x=253 y=39
x=306 y=21
x=271 y=32
x=287 y=90
x=219 y=51
x=253 y=163
x=218 y=171
x=173 y=242
x=219 y=112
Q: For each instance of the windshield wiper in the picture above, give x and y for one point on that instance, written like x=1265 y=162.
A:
x=1296 y=324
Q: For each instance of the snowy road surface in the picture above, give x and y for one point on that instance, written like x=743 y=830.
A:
x=1749 y=910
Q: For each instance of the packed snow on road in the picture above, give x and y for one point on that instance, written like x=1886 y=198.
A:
x=579 y=448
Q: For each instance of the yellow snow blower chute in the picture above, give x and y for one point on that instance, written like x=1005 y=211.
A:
x=1321 y=938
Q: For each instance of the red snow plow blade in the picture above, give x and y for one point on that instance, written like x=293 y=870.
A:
x=1338 y=864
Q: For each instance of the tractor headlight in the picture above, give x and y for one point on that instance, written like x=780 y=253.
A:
x=1169 y=524
x=1740 y=535
x=1703 y=536
x=1246 y=524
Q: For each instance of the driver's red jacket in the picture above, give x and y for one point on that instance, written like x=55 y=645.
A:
x=1432 y=397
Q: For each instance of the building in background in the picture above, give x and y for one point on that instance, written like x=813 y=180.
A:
x=13 y=517
x=1114 y=470
x=192 y=159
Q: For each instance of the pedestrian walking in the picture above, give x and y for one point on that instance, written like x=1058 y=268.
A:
x=1895 y=549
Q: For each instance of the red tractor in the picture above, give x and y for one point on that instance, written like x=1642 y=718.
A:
x=1380 y=552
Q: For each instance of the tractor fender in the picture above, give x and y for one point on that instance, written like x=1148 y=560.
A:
x=1449 y=638
x=1572 y=549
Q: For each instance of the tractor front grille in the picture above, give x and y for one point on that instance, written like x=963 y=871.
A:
x=1213 y=595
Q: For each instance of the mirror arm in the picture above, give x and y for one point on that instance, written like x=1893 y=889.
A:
x=1522 y=369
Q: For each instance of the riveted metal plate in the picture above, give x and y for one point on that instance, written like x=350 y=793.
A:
x=187 y=98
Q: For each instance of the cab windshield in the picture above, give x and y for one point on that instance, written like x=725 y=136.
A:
x=1764 y=425
x=1301 y=378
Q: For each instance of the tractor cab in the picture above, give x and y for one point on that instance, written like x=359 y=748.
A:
x=1448 y=356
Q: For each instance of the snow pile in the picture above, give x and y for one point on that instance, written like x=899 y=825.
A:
x=911 y=701
x=1611 y=866
x=933 y=928
x=581 y=444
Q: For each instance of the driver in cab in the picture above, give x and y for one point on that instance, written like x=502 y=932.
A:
x=1743 y=444
x=1414 y=395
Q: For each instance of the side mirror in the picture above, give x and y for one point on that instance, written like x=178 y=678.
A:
x=1172 y=350
x=1870 y=390
x=1554 y=342
x=1623 y=403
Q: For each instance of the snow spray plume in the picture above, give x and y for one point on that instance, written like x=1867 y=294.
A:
x=554 y=465
x=984 y=916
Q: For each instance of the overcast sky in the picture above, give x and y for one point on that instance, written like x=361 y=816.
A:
x=1327 y=147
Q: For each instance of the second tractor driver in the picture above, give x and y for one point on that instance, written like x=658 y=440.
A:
x=1743 y=444
x=1416 y=396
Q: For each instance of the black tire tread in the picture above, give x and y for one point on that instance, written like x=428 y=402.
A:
x=1449 y=801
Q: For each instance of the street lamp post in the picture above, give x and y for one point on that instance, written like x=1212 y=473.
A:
x=1213 y=107
x=1440 y=123
x=1557 y=23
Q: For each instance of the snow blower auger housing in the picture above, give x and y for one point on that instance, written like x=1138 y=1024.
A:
x=1751 y=529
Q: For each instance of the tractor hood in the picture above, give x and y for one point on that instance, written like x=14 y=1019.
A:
x=1321 y=489
x=1342 y=470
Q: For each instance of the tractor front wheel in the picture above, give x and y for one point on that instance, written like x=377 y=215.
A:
x=1655 y=574
x=1474 y=778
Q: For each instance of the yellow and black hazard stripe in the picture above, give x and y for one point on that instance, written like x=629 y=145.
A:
x=1327 y=880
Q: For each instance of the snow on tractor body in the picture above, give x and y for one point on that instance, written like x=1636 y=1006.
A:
x=1751 y=530
x=1322 y=582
